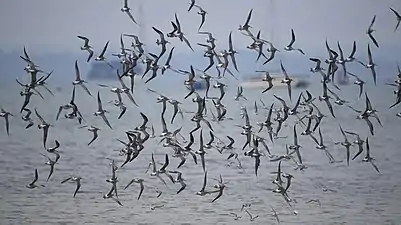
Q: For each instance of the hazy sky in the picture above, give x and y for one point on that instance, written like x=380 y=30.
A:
x=52 y=25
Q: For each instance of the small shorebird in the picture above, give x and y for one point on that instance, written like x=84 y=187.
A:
x=32 y=184
x=94 y=130
x=101 y=112
x=86 y=47
x=5 y=115
x=290 y=47
x=370 y=31
x=44 y=126
x=127 y=10
x=76 y=180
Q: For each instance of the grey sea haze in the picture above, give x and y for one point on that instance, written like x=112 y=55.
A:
x=354 y=194
x=348 y=195
x=312 y=21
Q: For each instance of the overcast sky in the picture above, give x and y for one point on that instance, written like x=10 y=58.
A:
x=52 y=25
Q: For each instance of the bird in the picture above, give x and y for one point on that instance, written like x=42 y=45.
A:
x=5 y=115
x=240 y=91
x=370 y=31
x=42 y=83
x=231 y=52
x=175 y=104
x=287 y=80
x=326 y=98
x=50 y=163
x=162 y=41
x=317 y=68
x=338 y=101
x=140 y=182
x=370 y=65
x=78 y=80
x=358 y=141
x=235 y=216
x=76 y=180
x=101 y=57
x=138 y=44
x=203 y=14
x=351 y=57
x=110 y=195
x=246 y=26
x=368 y=158
x=221 y=186
x=54 y=151
x=322 y=146
x=191 y=5
x=268 y=79
x=127 y=10
x=32 y=184
x=167 y=64
x=346 y=144
x=86 y=47
x=358 y=82
x=342 y=60
x=272 y=51
x=92 y=129
x=177 y=32
x=203 y=191
x=27 y=118
x=27 y=93
x=398 y=17
x=290 y=47
x=251 y=218
x=153 y=207
x=43 y=126
x=101 y=112
x=125 y=89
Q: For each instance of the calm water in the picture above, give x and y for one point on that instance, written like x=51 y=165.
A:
x=359 y=195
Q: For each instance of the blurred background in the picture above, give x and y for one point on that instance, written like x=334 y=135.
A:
x=48 y=29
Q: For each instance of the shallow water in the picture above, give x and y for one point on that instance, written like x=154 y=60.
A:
x=356 y=195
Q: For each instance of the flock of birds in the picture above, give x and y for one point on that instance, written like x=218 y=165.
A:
x=255 y=146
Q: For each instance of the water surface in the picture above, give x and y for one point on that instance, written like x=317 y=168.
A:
x=359 y=195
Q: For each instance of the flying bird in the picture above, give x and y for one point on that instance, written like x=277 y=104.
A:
x=5 y=115
x=290 y=47
x=94 y=130
x=191 y=5
x=127 y=10
x=78 y=80
x=370 y=31
x=231 y=52
x=368 y=158
x=398 y=17
x=44 y=126
x=287 y=80
x=202 y=13
x=101 y=112
x=101 y=57
x=32 y=184
x=370 y=65
x=77 y=180
x=358 y=82
x=246 y=25
x=86 y=47
x=162 y=41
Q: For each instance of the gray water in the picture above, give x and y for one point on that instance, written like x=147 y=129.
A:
x=359 y=194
